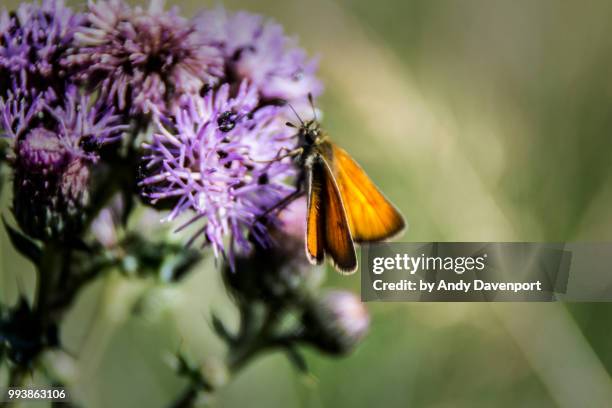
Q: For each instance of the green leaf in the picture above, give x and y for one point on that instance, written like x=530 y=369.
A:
x=26 y=246
x=183 y=263
x=297 y=359
x=221 y=330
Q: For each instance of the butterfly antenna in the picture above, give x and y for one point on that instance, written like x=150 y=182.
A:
x=314 y=111
x=296 y=114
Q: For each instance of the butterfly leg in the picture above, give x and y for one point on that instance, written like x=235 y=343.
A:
x=279 y=156
x=279 y=206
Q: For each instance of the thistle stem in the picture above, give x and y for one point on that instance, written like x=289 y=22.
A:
x=247 y=346
x=15 y=379
x=187 y=398
x=57 y=283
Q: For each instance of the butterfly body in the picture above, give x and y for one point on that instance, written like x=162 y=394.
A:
x=344 y=205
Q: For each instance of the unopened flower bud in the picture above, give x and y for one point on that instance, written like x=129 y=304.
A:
x=336 y=322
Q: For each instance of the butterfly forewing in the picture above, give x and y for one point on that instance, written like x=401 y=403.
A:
x=371 y=216
x=328 y=229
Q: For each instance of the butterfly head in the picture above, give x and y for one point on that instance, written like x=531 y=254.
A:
x=310 y=132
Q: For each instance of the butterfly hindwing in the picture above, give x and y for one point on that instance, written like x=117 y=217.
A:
x=327 y=225
x=314 y=228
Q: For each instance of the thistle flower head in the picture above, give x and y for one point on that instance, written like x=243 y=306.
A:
x=209 y=157
x=258 y=50
x=337 y=321
x=34 y=40
x=140 y=58
x=52 y=163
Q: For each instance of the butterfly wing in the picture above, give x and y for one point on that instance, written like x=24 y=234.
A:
x=328 y=229
x=371 y=216
x=314 y=217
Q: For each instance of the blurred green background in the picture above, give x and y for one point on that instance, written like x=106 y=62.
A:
x=483 y=120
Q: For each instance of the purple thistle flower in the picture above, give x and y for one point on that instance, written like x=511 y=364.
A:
x=34 y=40
x=259 y=51
x=140 y=58
x=208 y=158
x=53 y=162
x=20 y=109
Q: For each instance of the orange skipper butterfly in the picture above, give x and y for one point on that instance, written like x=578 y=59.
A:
x=344 y=205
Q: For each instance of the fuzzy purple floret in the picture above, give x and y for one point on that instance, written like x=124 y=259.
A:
x=83 y=124
x=258 y=50
x=208 y=158
x=20 y=109
x=76 y=120
x=139 y=59
x=34 y=41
